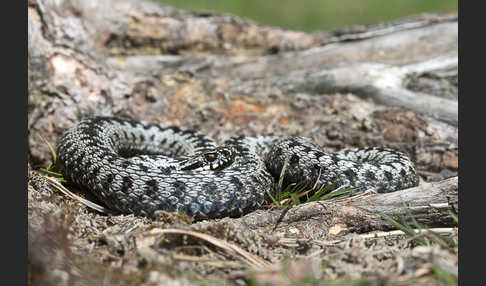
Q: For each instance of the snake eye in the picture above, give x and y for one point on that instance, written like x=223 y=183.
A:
x=210 y=156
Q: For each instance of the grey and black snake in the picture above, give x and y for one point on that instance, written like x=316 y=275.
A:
x=139 y=167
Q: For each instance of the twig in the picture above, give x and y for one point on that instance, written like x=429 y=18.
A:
x=229 y=248
x=55 y=184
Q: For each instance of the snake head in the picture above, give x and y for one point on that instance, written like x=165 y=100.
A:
x=211 y=159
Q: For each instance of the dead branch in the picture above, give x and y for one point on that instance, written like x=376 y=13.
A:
x=428 y=204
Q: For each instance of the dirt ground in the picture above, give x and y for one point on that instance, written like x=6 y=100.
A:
x=71 y=245
x=74 y=245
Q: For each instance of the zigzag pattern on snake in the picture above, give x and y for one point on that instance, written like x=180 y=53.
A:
x=139 y=167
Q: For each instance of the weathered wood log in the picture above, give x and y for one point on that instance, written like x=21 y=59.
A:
x=429 y=205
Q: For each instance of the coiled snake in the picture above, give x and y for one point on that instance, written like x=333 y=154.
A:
x=139 y=167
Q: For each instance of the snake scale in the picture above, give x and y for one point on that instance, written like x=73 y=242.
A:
x=140 y=167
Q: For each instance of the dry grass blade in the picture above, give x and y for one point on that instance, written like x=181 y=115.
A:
x=51 y=149
x=229 y=248
x=55 y=184
x=208 y=261
x=313 y=187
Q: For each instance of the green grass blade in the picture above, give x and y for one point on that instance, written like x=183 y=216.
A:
x=406 y=225
x=293 y=193
x=298 y=188
x=338 y=193
x=454 y=217
x=276 y=202
x=286 y=194
x=295 y=199
x=418 y=226
x=406 y=228
x=292 y=189
x=423 y=239
x=49 y=172
x=420 y=235
x=282 y=173
x=51 y=149
x=322 y=191
x=448 y=278
x=449 y=241
x=279 y=184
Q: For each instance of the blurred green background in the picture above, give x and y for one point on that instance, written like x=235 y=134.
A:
x=311 y=15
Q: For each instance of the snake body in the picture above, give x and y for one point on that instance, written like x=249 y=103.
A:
x=140 y=167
